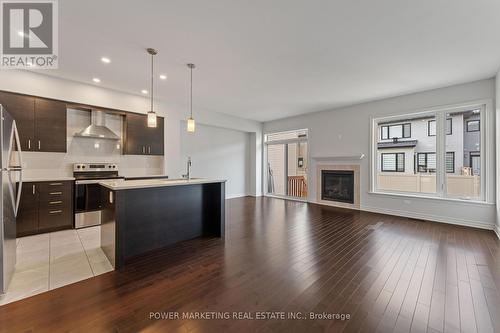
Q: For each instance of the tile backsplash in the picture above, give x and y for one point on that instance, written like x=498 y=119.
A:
x=86 y=150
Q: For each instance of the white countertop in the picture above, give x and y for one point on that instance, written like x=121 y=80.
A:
x=47 y=179
x=121 y=184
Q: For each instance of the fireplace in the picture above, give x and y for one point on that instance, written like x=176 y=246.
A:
x=337 y=185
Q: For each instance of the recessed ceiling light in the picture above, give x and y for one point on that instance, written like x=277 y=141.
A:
x=96 y=80
x=163 y=76
x=105 y=60
x=144 y=91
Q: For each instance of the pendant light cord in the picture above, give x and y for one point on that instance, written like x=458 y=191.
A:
x=152 y=87
x=191 y=97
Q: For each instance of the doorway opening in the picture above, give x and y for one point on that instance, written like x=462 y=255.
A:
x=287 y=164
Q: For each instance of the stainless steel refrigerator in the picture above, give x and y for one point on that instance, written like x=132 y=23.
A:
x=11 y=179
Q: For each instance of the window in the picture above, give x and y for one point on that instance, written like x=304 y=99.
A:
x=475 y=163
x=395 y=131
x=444 y=157
x=426 y=162
x=449 y=126
x=431 y=127
x=450 y=162
x=393 y=162
x=473 y=126
x=385 y=132
x=465 y=180
x=289 y=135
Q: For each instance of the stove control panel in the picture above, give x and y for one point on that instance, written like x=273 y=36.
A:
x=95 y=167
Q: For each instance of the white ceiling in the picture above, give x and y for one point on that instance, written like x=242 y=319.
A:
x=268 y=59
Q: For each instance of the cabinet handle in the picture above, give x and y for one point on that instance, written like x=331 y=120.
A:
x=55 y=193
x=38 y=144
x=55 y=211
x=149 y=150
x=55 y=202
x=55 y=184
x=29 y=143
x=33 y=189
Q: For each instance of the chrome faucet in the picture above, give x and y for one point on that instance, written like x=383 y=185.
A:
x=188 y=174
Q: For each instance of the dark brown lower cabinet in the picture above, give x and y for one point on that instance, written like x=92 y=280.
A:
x=44 y=207
x=27 y=216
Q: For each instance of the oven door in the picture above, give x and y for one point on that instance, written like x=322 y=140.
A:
x=87 y=197
x=87 y=203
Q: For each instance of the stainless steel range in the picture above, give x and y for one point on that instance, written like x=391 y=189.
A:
x=88 y=191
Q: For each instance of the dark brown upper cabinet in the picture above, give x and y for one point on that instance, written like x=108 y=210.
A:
x=22 y=109
x=139 y=139
x=41 y=122
x=50 y=125
x=156 y=138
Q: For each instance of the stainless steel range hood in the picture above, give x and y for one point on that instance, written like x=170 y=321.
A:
x=97 y=128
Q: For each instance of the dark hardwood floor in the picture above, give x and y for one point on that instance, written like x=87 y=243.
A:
x=387 y=273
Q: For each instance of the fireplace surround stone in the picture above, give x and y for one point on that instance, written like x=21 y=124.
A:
x=343 y=201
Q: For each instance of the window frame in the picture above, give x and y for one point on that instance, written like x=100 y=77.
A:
x=396 y=164
x=429 y=127
x=451 y=126
x=487 y=137
x=418 y=165
x=267 y=143
x=472 y=154
x=389 y=131
x=434 y=120
x=473 y=121
x=453 y=159
x=426 y=154
x=417 y=161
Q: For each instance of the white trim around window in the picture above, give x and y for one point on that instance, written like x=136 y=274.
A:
x=487 y=130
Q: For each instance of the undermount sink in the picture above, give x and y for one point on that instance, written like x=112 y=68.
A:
x=178 y=179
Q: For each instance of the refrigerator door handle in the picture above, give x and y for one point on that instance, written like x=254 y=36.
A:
x=15 y=142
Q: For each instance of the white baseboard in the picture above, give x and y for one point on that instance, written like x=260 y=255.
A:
x=428 y=217
x=234 y=196
x=254 y=195
x=497 y=230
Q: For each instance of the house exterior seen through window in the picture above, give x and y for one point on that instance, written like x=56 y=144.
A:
x=407 y=160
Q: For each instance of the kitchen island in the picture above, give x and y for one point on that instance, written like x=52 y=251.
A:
x=140 y=216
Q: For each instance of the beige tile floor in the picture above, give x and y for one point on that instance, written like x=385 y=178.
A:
x=56 y=259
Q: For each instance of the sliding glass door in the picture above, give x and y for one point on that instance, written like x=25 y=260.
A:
x=287 y=164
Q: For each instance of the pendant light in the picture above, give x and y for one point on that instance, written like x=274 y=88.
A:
x=190 y=122
x=151 y=112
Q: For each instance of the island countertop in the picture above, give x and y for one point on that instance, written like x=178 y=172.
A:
x=120 y=184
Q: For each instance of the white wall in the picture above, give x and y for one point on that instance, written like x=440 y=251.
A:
x=46 y=86
x=219 y=153
x=346 y=131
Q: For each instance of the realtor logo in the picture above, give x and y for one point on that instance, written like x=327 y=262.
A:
x=29 y=34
